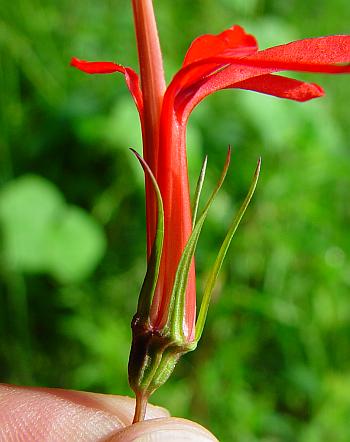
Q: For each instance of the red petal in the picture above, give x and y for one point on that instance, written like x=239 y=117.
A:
x=312 y=55
x=96 y=67
x=331 y=49
x=108 y=67
x=281 y=87
x=234 y=41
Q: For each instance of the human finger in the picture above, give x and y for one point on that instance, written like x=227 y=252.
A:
x=43 y=414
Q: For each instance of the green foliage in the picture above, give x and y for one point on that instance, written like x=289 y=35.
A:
x=273 y=362
x=42 y=234
x=29 y=208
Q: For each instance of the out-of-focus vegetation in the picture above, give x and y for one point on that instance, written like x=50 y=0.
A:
x=273 y=364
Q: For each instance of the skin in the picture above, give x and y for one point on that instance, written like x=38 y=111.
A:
x=42 y=414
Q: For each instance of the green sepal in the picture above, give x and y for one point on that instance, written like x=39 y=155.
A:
x=221 y=256
x=177 y=303
x=151 y=278
x=198 y=191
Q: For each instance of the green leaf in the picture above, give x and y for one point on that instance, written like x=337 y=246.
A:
x=151 y=278
x=42 y=234
x=77 y=244
x=28 y=207
x=198 y=191
x=221 y=256
x=177 y=304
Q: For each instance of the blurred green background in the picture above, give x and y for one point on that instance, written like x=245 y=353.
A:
x=273 y=364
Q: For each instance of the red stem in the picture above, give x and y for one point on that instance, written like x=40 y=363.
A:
x=153 y=89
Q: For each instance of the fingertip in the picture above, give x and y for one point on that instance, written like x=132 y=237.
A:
x=124 y=407
x=61 y=415
x=169 y=429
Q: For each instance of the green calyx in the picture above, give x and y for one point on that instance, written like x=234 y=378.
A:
x=154 y=353
x=153 y=357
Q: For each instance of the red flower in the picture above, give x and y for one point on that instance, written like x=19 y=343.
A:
x=230 y=59
x=213 y=62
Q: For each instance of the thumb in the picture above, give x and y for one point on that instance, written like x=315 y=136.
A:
x=44 y=414
x=169 y=429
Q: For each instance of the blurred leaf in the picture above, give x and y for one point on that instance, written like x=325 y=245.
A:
x=42 y=234
x=28 y=207
x=76 y=245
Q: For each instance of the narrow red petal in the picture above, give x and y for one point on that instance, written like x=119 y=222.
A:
x=281 y=87
x=188 y=87
x=321 y=50
x=108 y=67
x=96 y=67
x=233 y=41
x=133 y=83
